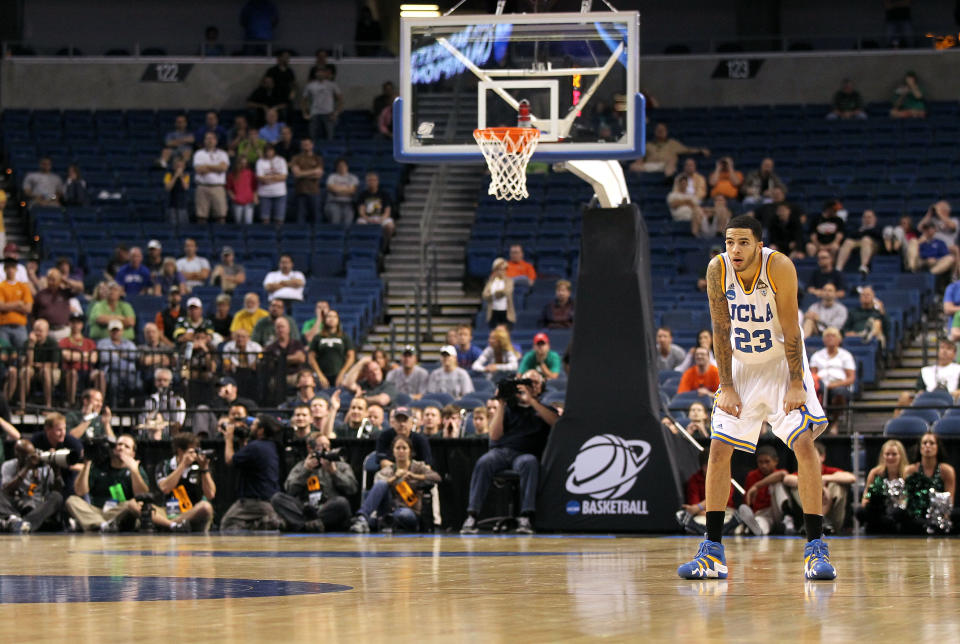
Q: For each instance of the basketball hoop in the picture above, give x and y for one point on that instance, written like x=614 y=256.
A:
x=507 y=151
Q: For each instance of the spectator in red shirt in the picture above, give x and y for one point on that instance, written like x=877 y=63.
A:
x=702 y=377
x=79 y=356
x=518 y=269
x=763 y=508
x=693 y=513
x=242 y=190
x=836 y=490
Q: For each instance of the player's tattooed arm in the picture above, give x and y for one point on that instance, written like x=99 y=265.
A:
x=720 y=315
x=784 y=275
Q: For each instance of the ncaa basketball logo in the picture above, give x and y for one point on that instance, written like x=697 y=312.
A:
x=607 y=466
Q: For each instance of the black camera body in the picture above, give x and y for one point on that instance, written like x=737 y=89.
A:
x=209 y=454
x=331 y=455
x=99 y=450
x=507 y=390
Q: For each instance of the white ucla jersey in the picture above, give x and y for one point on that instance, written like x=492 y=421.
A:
x=755 y=332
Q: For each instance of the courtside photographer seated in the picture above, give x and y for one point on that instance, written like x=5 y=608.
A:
x=395 y=501
x=187 y=485
x=315 y=492
x=256 y=460
x=113 y=478
x=518 y=435
x=30 y=497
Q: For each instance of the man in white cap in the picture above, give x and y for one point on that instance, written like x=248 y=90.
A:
x=410 y=378
x=449 y=378
x=154 y=259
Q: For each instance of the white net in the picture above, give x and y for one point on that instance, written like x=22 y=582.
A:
x=507 y=151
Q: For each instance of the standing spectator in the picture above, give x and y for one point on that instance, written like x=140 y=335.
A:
x=166 y=320
x=542 y=359
x=284 y=79
x=195 y=269
x=211 y=164
x=322 y=103
x=388 y=93
x=908 y=101
x=467 y=351
x=826 y=230
x=847 y=103
x=43 y=187
x=237 y=134
x=759 y=184
x=410 y=378
x=341 y=190
x=286 y=147
x=331 y=352
x=932 y=254
x=868 y=238
x=669 y=355
x=263 y=98
x=663 y=153
x=211 y=123
x=725 y=180
x=702 y=377
x=307 y=170
x=836 y=370
x=252 y=147
x=518 y=269
x=264 y=331
x=79 y=355
x=211 y=43
x=258 y=18
x=270 y=132
x=170 y=278
x=897 y=24
x=134 y=277
x=710 y=221
x=825 y=273
x=242 y=190
x=176 y=182
x=154 y=259
x=374 y=206
x=827 y=312
x=499 y=354
x=75 y=188
x=228 y=275
x=448 y=378
x=272 y=186
x=111 y=309
x=320 y=62
x=177 y=143
x=498 y=295
x=368 y=37
x=285 y=284
x=251 y=313
x=52 y=303
x=558 y=314
x=42 y=364
x=118 y=360
x=313 y=326
x=867 y=320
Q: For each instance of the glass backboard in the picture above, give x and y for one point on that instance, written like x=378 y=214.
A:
x=579 y=73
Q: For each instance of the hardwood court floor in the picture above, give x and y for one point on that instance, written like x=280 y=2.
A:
x=478 y=589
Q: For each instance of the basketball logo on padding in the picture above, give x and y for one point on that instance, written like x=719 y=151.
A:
x=607 y=466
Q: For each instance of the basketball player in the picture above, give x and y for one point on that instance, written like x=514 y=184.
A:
x=764 y=376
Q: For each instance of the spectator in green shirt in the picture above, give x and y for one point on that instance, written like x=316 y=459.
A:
x=313 y=326
x=847 y=103
x=541 y=359
x=112 y=308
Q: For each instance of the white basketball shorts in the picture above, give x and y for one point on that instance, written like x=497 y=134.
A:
x=762 y=388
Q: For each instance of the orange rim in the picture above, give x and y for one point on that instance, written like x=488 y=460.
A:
x=514 y=139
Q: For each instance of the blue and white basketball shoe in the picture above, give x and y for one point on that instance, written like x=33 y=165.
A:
x=710 y=563
x=816 y=561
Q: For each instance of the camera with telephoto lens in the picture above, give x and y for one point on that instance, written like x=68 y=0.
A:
x=365 y=429
x=58 y=458
x=507 y=390
x=331 y=455
x=99 y=450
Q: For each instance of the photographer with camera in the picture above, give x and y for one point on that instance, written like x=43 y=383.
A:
x=113 y=479
x=315 y=492
x=257 y=462
x=54 y=437
x=30 y=497
x=396 y=499
x=518 y=436
x=187 y=485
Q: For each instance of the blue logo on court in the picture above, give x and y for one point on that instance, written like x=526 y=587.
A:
x=573 y=507
x=731 y=295
x=44 y=589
